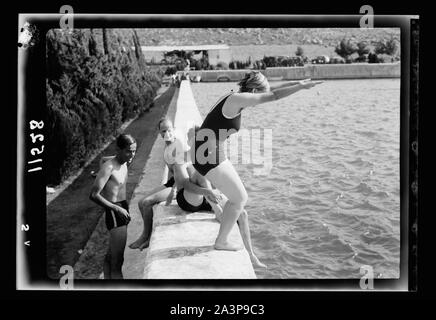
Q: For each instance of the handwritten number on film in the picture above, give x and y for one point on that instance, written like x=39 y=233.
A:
x=25 y=228
x=36 y=138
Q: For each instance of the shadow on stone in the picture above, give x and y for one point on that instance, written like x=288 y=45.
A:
x=173 y=253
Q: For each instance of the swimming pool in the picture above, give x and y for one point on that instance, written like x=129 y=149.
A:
x=330 y=203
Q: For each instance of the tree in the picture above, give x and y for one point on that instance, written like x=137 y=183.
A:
x=362 y=51
x=270 y=61
x=372 y=58
x=392 y=47
x=89 y=95
x=362 y=48
x=299 y=52
x=138 y=51
x=92 y=45
x=389 y=47
x=346 y=48
x=105 y=42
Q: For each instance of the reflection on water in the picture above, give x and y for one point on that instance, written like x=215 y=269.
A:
x=331 y=201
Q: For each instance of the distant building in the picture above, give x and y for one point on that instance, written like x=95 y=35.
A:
x=216 y=53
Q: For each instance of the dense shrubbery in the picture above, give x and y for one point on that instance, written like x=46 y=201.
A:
x=282 y=61
x=222 y=66
x=384 y=51
x=170 y=71
x=346 y=48
x=266 y=62
x=236 y=64
x=389 y=47
x=201 y=64
x=348 y=51
x=90 y=92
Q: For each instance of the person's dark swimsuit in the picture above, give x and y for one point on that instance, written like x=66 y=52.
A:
x=185 y=205
x=170 y=182
x=115 y=219
x=214 y=121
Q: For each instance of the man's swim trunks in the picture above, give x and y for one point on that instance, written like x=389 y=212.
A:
x=185 y=205
x=115 y=219
x=170 y=182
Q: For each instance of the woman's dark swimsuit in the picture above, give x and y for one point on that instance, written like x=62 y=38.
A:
x=185 y=205
x=115 y=219
x=215 y=120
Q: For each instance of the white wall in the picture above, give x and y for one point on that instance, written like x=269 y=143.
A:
x=216 y=56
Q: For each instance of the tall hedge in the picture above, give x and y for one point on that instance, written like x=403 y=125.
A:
x=90 y=93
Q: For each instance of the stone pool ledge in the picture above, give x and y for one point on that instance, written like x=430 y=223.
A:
x=181 y=247
x=152 y=176
x=181 y=244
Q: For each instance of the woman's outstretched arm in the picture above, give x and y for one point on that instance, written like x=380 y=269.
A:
x=239 y=101
x=281 y=93
x=287 y=84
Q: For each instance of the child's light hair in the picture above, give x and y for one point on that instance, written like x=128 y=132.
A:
x=164 y=119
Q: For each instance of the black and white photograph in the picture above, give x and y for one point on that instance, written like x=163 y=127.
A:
x=184 y=152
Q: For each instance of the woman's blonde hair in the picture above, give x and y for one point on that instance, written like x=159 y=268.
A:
x=253 y=80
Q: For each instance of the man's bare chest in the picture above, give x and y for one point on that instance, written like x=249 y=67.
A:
x=119 y=176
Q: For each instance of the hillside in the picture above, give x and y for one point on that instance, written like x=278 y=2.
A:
x=258 y=42
x=262 y=36
x=254 y=42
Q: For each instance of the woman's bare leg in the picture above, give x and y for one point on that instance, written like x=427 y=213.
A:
x=227 y=180
x=244 y=228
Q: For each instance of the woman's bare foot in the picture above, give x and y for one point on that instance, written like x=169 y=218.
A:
x=138 y=243
x=227 y=246
x=144 y=245
x=256 y=263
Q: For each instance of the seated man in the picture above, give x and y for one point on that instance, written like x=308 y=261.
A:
x=165 y=192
